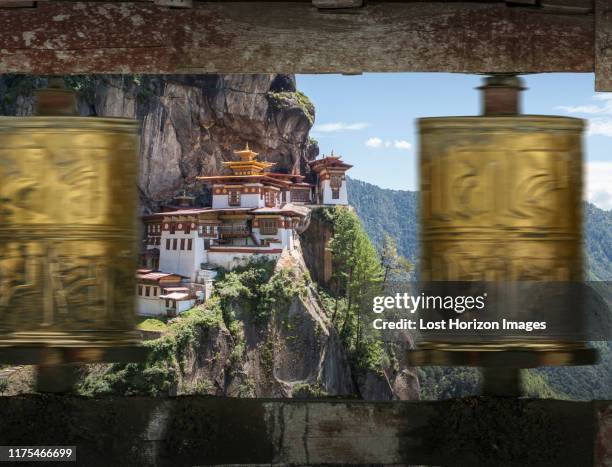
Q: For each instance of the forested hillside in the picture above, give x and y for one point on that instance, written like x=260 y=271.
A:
x=395 y=212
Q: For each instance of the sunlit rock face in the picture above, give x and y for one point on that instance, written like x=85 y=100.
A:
x=191 y=124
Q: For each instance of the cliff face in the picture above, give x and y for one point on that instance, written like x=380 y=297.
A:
x=295 y=353
x=190 y=124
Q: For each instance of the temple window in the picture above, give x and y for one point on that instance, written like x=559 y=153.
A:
x=182 y=243
x=268 y=226
x=189 y=244
x=147 y=290
x=172 y=228
x=234 y=197
x=140 y=290
x=167 y=244
x=270 y=199
x=174 y=242
x=300 y=195
x=335 y=193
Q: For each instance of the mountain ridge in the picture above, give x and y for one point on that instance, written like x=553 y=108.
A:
x=395 y=212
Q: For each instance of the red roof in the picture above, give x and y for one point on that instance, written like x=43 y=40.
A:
x=328 y=161
x=153 y=276
x=286 y=209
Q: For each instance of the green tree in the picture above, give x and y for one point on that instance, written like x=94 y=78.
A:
x=357 y=271
x=394 y=265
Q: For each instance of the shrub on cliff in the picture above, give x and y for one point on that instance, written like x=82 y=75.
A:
x=159 y=375
x=256 y=289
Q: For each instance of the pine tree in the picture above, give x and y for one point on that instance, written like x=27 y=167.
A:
x=394 y=265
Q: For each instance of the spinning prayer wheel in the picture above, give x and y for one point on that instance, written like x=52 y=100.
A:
x=501 y=204
x=68 y=238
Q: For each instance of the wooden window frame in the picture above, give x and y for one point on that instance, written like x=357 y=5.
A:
x=268 y=229
x=233 y=197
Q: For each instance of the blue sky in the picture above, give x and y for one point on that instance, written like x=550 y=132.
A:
x=370 y=119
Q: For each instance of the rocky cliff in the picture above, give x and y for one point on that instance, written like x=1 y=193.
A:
x=190 y=124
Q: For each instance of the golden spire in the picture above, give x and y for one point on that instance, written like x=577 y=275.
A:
x=246 y=154
x=248 y=164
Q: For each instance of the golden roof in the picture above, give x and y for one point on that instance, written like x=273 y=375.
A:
x=246 y=154
x=247 y=165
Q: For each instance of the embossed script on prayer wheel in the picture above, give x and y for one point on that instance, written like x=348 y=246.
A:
x=67 y=237
x=501 y=199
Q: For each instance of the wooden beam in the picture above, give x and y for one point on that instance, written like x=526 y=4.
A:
x=252 y=37
x=603 y=45
x=207 y=430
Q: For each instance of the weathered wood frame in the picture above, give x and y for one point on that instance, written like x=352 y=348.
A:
x=58 y=37
x=53 y=37
x=213 y=431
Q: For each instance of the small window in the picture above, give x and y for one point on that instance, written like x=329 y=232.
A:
x=268 y=226
x=155 y=291
x=270 y=199
x=335 y=193
x=187 y=228
x=301 y=195
x=189 y=244
x=167 y=244
x=167 y=303
x=234 y=197
x=174 y=243
x=140 y=290
x=172 y=228
x=182 y=243
x=147 y=290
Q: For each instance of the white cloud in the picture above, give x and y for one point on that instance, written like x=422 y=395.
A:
x=402 y=144
x=339 y=126
x=599 y=184
x=373 y=142
x=582 y=109
x=601 y=122
x=376 y=142
x=600 y=126
x=591 y=109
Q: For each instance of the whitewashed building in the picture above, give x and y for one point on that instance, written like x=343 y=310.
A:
x=331 y=180
x=254 y=214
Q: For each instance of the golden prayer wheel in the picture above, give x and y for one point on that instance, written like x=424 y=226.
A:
x=68 y=237
x=501 y=204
